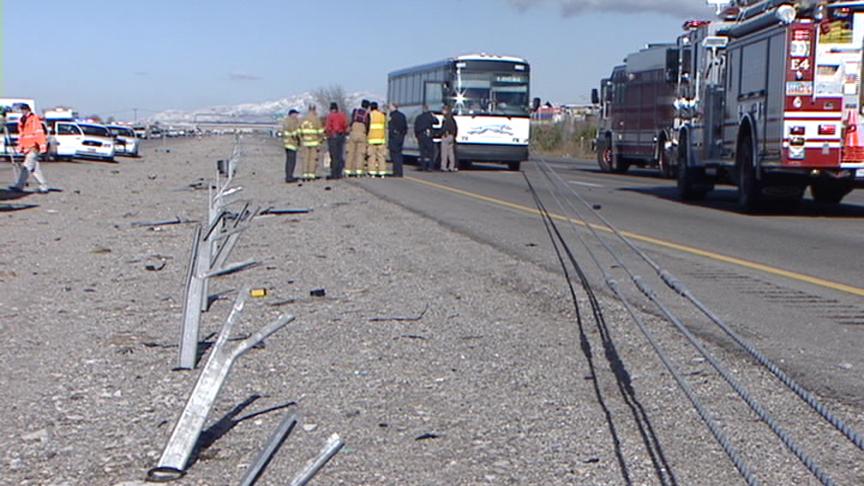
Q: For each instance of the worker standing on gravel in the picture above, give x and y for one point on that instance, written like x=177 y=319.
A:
x=33 y=143
x=377 y=141
x=336 y=128
x=357 y=140
x=291 y=141
x=311 y=136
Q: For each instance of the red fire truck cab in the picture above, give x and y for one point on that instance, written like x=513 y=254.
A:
x=768 y=99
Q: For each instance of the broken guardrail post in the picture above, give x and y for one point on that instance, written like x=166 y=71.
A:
x=191 y=307
x=334 y=443
x=273 y=444
x=187 y=430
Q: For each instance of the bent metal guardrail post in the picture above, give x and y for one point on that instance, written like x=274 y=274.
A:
x=192 y=306
x=188 y=428
x=273 y=444
x=334 y=443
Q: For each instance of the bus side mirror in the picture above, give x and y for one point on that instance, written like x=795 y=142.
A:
x=535 y=104
x=595 y=97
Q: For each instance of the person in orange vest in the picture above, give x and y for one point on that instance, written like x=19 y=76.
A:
x=311 y=136
x=32 y=143
x=377 y=140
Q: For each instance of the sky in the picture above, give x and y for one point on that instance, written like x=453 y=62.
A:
x=107 y=57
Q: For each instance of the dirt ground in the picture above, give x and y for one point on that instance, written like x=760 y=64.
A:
x=437 y=359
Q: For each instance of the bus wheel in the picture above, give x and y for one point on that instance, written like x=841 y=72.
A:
x=514 y=166
x=465 y=164
x=749 y=185
x=829 y=192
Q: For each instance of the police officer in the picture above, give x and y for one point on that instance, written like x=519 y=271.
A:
x=311 y=136
x=357 y=140
x=291 y=141
x=423 y=125
x=396 y=138
x=376 y=140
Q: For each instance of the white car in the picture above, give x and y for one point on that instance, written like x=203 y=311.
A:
x=125 y=140
x=86 y=140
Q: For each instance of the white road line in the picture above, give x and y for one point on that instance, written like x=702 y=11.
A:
x=586 y=184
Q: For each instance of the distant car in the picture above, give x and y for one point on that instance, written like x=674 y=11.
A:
x=125 y=140
x=155 y=133
x=10 y=140
x=86 y=140
x=140 y=132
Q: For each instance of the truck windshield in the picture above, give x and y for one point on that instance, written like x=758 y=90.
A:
x=491 y=93
x=95 y=130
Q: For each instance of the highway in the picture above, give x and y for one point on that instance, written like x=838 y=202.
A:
x=789 y=281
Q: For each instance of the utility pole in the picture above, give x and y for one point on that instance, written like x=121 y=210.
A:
x=135 y=114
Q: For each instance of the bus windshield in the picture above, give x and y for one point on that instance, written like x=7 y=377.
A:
x=491 y=93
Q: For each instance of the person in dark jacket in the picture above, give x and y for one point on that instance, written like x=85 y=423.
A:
x=398 y=127
x=449 y=132
x=423 y=125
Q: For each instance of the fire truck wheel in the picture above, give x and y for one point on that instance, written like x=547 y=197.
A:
x=605 y=155
x=749 y=186
x=666 y=169
x=829 y=192
x=691 y=180
x=619 y=165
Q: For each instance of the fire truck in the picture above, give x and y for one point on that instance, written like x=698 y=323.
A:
x=768 y=99
x=637 y=111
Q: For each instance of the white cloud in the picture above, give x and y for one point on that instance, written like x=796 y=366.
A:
x=676 y=8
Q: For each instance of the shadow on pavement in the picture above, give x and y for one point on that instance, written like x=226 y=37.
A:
x=725 y=199
x=7 y=195
x=224 y=425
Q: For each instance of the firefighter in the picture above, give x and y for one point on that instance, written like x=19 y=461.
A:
x=311 y=136
x=33 y=143
x=291 y=141
x=357 y=140
x=376 y=139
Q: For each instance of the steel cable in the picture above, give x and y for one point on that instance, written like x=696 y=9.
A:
x=678 y=286
x=729 y=449
x=775 y=427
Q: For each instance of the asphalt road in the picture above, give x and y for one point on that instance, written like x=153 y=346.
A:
x=790 y=281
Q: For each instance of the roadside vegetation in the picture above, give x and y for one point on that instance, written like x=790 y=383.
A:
x=564 y=139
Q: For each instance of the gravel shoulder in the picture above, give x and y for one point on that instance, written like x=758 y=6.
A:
x=494 y=383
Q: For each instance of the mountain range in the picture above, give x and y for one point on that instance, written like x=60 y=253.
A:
x=265 y=111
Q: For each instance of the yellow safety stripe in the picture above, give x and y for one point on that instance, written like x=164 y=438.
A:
x=376 y=125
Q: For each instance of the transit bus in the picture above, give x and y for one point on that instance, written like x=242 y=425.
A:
x=489 y=96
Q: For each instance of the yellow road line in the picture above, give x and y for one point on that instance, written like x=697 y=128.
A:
x=661 y=243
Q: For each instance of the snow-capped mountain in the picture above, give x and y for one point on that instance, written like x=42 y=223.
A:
x=265 y=111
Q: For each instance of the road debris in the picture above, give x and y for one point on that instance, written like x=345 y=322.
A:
x=401 y=319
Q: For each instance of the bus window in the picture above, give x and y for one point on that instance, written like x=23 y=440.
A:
x=434 y=94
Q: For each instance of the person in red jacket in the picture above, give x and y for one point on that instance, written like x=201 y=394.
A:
x=32 y=142
x=336 y=127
